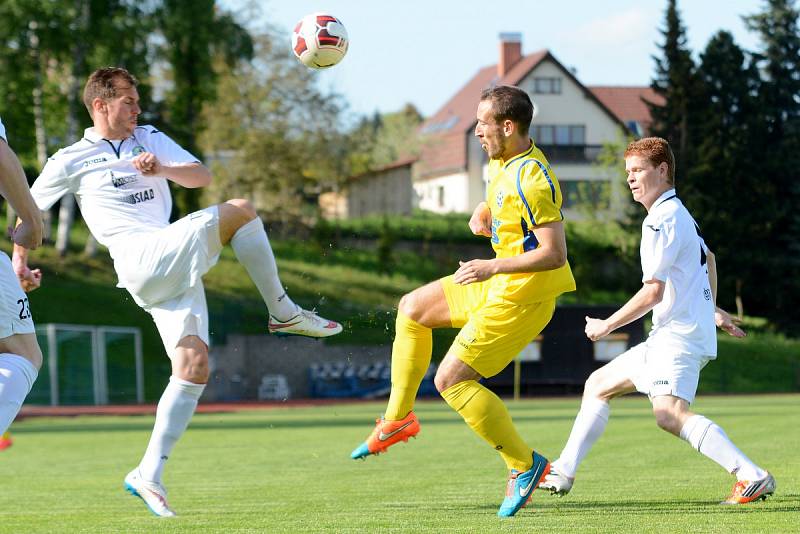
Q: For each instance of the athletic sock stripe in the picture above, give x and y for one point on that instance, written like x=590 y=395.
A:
x=700 y=442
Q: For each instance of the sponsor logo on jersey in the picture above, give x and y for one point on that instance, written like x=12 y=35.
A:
x=138 y=149
x=139 y=196
x=119 y=181
x=94 y=161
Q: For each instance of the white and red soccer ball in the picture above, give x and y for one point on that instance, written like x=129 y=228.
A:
x=319 y=40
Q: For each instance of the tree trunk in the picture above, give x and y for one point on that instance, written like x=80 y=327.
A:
x=739 y=305
x=38 y=119
x=91 y=246
x=66 y=214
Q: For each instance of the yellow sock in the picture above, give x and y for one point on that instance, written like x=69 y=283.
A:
x=486 y=414
x=411 y=356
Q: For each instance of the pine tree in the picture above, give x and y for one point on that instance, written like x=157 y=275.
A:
x=779 y=149
x=727 y=122
x=676 y=82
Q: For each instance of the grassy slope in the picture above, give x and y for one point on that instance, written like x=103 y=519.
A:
x=288 y=470
x=343 y=284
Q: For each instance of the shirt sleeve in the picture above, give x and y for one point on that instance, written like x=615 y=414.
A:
x=52 y=184
x=540 y=193
x=660 y=247
x=168 y=151
x=3 y=131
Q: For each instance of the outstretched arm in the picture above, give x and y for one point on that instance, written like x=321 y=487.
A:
x=642 y=302
x=14 y=187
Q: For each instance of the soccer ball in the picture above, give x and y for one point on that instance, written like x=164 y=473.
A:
x=319 y=41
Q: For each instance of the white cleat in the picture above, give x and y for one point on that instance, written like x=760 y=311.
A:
x=153 y=494
x=306 y=323
x=556 y=482
x=745 y=491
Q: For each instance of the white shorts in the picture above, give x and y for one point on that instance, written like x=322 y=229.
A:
x=15 y=313
x=184 y=315
x=657 y=371
x=159 y=266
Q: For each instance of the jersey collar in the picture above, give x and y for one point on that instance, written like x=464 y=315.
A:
x=666 y=195
x=518 y=156
x=91 y=135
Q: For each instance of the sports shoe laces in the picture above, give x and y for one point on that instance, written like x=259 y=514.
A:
x=512 y=477
x=312 y=315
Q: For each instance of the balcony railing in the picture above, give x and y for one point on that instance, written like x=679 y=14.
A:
x=571 y=153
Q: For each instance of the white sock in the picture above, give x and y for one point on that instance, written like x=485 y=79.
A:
x=588 y=427
x=174 y=411
x=17 y=376
x=708 y=438
x=251 y=245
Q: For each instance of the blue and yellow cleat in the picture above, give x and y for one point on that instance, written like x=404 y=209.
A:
x=521 y=485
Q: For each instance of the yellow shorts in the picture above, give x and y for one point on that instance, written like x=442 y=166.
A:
x=493 y=330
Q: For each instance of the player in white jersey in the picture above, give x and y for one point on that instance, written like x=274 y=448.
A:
x=679 y=284
x=118 y=173
x=20 y=356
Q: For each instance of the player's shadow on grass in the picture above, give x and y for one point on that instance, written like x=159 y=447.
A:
x=539 y=504
x=209 y=421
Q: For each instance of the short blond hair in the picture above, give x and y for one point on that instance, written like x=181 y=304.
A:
x=657 y=151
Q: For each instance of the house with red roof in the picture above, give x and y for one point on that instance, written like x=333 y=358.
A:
x=572 y=122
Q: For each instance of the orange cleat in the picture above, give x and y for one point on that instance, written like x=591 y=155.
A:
x=387 y=433
x=745 y=491
x=6 y=441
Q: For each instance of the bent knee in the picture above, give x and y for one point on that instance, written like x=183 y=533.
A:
x=411 y=306
x=441 y=382
x=595 y=387
x=190 y=361
x=244 y=206
x=667 y=420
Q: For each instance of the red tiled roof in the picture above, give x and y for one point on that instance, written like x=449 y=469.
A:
x=460 y=110
x=442 y=154
x=404 y=162
x=445 y=143
x=627 y=102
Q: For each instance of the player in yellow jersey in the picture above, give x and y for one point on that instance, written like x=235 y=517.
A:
x=500 y=305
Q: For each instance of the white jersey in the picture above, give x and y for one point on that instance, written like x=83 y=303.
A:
x=116 y=201
x=673 y=251
x=2 y=130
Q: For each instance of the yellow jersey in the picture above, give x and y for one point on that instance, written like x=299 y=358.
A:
x=523 y=193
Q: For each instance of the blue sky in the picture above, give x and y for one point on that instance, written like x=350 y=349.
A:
x=423 y=51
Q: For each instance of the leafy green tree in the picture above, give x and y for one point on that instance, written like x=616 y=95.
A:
x=727 y=182
x=676 y=82
x=778 y=151
x=195 y=33
x=383 y=139
x=272 y=136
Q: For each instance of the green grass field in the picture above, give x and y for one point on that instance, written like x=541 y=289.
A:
x=288 y=470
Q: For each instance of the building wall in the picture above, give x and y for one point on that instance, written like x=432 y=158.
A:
x=572 y=106
x=444 y=194
x=386 y=191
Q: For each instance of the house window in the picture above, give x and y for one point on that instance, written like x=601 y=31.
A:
x=440 y=195
x=544 y=134
x=547 y=86
x=562 y=134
